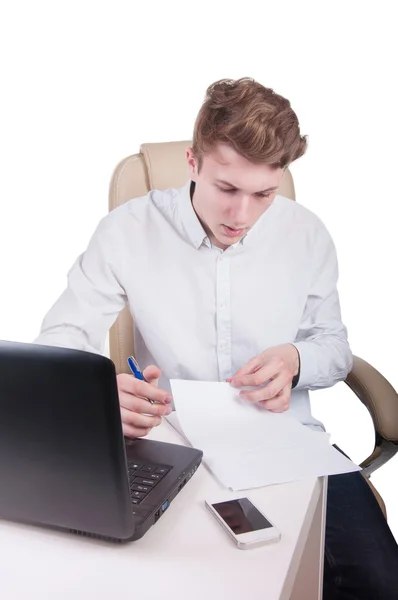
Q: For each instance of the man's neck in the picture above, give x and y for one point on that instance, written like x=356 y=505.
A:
x=213 y=240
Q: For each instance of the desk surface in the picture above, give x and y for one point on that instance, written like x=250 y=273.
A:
x=186 y=554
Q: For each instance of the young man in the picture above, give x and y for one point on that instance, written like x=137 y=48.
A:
x=226 y=280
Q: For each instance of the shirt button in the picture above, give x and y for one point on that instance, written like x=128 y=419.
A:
x=222 y=305
x=222 y=345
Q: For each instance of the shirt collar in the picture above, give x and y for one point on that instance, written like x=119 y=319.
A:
x=190 y=221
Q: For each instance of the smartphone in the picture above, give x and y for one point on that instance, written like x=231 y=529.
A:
x=244 y=522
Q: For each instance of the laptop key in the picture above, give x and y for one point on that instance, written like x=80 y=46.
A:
x=148 y=482
x=134 y=466
x=161 y=470
x=147 y=469
x=140 y=488
x=144 y=481
x=135 y=501
x=154 y=476
x=139 y=495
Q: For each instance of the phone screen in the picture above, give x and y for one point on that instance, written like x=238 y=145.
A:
x=241 y=516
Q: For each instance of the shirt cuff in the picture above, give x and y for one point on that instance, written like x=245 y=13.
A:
x=308 y=368
x=296 y=378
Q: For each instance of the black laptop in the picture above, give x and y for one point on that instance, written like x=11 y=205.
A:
x=64 y=462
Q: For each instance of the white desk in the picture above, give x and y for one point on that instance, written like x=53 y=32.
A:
x=186 y=555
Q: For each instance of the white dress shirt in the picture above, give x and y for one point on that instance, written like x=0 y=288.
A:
x=201 y=313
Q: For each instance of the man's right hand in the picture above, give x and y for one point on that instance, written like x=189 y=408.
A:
x=138 y=415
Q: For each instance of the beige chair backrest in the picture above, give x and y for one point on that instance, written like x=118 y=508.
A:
x=157 y=166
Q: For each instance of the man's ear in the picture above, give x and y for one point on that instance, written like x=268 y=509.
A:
x=192 y=164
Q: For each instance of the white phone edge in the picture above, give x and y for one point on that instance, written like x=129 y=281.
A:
x=245 y=541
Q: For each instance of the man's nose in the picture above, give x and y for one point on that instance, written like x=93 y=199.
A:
x=240 y=210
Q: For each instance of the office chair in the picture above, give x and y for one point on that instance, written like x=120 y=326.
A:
x=162 y=166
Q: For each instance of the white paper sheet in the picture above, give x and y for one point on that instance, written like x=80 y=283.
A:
x=246 y=446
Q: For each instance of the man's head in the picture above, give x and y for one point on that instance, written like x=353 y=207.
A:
x=244 y=138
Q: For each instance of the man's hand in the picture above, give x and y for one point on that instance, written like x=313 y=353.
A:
x=138 y=415
x=277 y=366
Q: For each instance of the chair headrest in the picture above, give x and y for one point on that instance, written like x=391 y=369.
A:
x=166 y=164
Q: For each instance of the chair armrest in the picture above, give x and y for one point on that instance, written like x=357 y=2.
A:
x=381 y=400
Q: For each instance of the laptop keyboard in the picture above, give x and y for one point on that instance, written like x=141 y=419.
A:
x=143 y=478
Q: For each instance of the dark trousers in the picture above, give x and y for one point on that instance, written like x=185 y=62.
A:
x=361 y=555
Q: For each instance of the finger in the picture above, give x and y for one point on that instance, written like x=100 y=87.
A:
x=250 y=367
x=135 y=432
x=149 y=391
x=152 y=374
x=140 y=405
x=271 y=390
x=268 y=371
x=278 y=404
x=138 y=420
x=129 y=384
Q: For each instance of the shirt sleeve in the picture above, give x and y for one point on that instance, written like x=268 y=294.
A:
x=325 y=355
x=93 y=298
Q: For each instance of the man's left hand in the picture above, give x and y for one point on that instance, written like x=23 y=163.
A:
x=277 y=366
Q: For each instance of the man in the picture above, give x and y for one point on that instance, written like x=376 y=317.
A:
x=226 y=280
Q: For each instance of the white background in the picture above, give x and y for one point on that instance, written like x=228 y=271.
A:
x=84 y=83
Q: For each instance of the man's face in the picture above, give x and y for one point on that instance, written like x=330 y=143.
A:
x=231 y=193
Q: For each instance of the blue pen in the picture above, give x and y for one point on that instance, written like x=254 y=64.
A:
x=135 y=368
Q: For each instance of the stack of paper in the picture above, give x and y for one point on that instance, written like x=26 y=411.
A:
x=246 y=446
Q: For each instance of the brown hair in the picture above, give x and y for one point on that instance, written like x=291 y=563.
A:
x=258 y=123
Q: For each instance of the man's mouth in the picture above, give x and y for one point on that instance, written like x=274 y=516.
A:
x=232 y=231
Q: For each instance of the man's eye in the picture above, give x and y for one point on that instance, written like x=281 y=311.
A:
x=227 y=191
x=232 y=191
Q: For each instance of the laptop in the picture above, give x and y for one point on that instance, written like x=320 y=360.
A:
x=64 y=462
